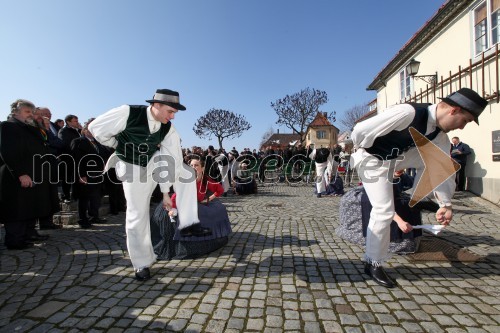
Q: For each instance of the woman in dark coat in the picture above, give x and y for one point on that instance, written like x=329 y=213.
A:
x=25 y=191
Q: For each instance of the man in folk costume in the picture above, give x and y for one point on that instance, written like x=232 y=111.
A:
x=147 y=145
x=384 y=144
x=324 y=164
x=223 y=165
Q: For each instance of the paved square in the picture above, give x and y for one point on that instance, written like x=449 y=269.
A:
x=283 y=270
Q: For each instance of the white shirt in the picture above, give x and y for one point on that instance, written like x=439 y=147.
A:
x=106 y=126
x=114 y=121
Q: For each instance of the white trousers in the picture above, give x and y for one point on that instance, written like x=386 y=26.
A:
x=380 y=192
x=138 y=187
x=377 y=178
x=321 y=176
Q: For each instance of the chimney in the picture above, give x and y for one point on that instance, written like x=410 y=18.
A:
x=325 y=114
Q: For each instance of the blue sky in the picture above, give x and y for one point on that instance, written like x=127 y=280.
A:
x=86 y=57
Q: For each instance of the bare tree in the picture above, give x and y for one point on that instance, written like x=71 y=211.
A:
x=350 y=116
x=222 y=124
x=266 y=135
x=297 y=111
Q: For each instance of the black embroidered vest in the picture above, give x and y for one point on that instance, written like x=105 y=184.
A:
x=136 y=144
x=395 y=143
x=321 y=155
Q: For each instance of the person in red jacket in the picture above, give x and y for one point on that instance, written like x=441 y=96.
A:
x=204 y=184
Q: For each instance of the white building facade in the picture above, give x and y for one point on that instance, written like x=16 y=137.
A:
x=458 y=47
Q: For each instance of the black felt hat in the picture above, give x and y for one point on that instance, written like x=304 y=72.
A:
x=167 y=97
x=467 y=99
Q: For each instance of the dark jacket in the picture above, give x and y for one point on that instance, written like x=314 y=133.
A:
x=89 y=159
x=68 y=134
x=23 y=151
x=55 y=127
x=464 y=149
x=55 y=144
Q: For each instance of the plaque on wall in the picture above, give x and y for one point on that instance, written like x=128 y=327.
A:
x=495 y=141
x=496 y=158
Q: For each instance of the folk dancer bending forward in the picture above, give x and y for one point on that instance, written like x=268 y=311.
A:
x=384 y=144
x=147 y=145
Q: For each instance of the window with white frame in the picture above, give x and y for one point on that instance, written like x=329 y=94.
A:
x=320 y=134
x=404 y=84
x=372 y=106
x=495 y=21
x=486 y=18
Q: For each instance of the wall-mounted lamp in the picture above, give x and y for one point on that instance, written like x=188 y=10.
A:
x=412 y=70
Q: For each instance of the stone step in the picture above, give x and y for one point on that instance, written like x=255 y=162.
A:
x=70 y=215
x=65 y=218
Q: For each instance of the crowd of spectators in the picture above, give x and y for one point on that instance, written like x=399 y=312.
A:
x=74 y=163
x=45 y=164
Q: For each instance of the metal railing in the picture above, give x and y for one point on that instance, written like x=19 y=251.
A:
x=482 y=76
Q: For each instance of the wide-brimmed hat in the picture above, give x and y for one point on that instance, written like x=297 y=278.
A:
x=467 y=99
x=167 y=97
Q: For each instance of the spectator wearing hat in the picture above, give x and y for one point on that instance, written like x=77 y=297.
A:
x=384 y=144
x=147 y=145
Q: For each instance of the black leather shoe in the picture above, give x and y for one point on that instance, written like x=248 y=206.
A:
x=195 y=230
x=379 y=275
x=318 y=195
x=142 y=274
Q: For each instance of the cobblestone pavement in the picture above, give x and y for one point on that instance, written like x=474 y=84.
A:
x=284 y=270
